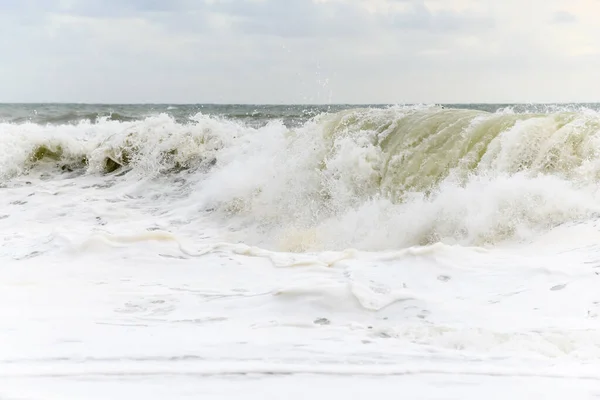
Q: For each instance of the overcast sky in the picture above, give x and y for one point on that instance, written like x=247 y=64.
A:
x=299 y=51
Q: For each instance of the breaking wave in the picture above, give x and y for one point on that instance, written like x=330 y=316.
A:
x=367 y=178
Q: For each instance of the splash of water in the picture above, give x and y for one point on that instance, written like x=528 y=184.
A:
x=368 y=178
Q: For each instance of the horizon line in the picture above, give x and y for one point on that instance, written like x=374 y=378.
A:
x=295 y=104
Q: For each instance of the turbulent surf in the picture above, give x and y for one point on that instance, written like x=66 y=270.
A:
x=370 y=178
x=143 y=246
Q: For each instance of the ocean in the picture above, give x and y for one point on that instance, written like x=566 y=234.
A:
x=260 y=251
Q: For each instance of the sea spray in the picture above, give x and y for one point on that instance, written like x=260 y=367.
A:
x=371 y=178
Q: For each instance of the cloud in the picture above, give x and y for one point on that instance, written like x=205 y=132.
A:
x=296 y=18
x=306 y=18
x=102 y=8
x=8 y=5
x=298 y=50
x=564 y=17
x=420 y=18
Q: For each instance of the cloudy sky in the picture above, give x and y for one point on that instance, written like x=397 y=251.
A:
x=299 y=51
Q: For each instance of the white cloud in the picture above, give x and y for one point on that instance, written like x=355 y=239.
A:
x=358 y=51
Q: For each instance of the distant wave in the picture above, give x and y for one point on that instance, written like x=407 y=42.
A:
x=73 y=118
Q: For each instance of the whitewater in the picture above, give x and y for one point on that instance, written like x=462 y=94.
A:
x=428 y=251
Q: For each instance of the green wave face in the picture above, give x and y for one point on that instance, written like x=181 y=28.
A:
x=417 y=176
x=417 y=149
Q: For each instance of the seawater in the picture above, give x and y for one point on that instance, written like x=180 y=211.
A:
x=453 y=246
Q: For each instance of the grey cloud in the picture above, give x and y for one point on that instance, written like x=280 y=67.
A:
x=121 y=8
x=420 y=17
x=8 y=5
x=564 y=17
x=304 y=18
x=276 y=51
x=97 y=8
x=173 y=15
x=296 y=18
x=281 y=18
x=25 y=13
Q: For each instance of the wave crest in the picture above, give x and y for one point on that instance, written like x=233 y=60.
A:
x=150 y=146
x=368 y=178
x=380 y=179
